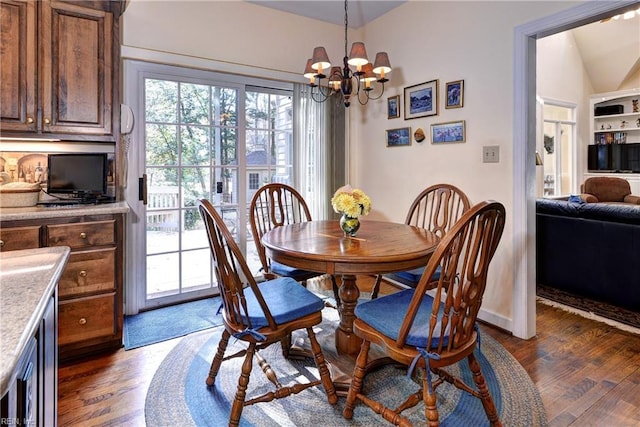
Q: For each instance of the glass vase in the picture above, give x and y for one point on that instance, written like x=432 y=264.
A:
x=349 y=225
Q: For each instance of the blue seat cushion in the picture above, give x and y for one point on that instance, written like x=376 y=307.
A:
x=286 y=271
x=412 y=277
x=387 y=313
x=286 y=299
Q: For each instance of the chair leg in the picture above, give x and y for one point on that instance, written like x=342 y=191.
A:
x=429 y=397
x=336 y=290
x=321 y=364
x=356 y=382
x=285 y=343
x=243 y=382
x=485 y=396
x=376 y=287
x=217 y=360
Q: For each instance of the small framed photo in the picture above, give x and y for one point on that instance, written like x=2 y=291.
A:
x=398 y=137
x=448 y=132
x=455 y=94
x=421 y=100
x=393 y=107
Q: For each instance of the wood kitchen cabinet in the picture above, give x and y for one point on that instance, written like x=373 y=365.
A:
x=59 y=73
x=16 y=238
x=90 y=289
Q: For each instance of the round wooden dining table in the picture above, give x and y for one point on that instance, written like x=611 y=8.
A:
x=321 y=246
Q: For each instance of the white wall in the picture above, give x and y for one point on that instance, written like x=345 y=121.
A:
x=425 y=41
x=448 y=41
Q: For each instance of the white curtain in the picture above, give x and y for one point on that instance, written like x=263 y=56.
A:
x=311 y=151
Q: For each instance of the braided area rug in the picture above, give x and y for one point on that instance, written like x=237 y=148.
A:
x=178 y=395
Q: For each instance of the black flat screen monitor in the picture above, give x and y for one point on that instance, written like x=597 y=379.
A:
x=83 y=175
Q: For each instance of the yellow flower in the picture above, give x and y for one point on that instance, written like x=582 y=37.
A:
x=351 y=202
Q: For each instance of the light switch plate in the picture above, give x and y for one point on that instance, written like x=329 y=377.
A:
x=490 y=154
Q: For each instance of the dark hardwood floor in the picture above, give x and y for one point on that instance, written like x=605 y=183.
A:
x=587 y=372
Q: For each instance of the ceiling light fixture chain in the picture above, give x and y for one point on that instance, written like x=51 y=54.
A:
x=341 y=80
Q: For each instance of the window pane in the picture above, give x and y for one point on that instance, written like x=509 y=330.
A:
x=257 y=110
x=161 y=145
x=225 y=149
x=226 y=106
x=283 y=110
x=195 y=185
x=196 y=270
x=227 y=185
x=163 y=177
x=194 y=103
x=161 y=99
x=162 y=231
x=194 y=235
x=163 y=275
x=195 y=145
x=258 y=148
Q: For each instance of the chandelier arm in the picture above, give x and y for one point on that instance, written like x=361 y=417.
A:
x=373 y=98
x=322 y=95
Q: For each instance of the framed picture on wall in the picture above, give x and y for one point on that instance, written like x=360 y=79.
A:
x=421 y=100
x=393 y=107
x=398 y=137
x=448 y=132
x=455 y=94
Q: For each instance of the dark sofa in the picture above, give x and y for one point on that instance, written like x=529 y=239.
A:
x=590 y=250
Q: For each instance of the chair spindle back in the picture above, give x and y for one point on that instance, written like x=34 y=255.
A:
x=437 y=208
x=464 y=255
x=274 y=205
x=231 y=270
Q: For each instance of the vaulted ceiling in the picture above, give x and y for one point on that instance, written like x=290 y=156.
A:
x=610 y=50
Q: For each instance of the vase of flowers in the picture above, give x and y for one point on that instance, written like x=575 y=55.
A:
x=351 y=203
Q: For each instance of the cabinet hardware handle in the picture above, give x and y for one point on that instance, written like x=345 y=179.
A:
x=83 y=321
x=47 y=121
x=83 y=235
x=83 y=273
x=29 y=120
x=1 y=243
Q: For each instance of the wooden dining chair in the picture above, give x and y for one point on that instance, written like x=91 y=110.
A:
x=274 y=205
x=260 y=315
x=433 y=332
x=436 y=209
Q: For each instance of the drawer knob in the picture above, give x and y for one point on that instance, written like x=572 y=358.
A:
x=1 y=243
x=29 y=120
x=83 y=321
x=83 y=273
x=47 y=121
x=83 y=235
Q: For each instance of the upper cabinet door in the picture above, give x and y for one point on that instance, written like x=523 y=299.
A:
x=76 y=70
x=18 y=66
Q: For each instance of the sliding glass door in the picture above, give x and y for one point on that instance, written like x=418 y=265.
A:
x=200 y=137
x=191 y=142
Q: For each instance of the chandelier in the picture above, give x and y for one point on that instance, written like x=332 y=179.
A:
x=345 y=80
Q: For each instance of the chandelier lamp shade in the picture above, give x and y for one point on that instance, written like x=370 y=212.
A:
x=356 y=77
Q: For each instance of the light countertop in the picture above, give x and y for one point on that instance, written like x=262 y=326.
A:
x=39 y=212
x=28 y=279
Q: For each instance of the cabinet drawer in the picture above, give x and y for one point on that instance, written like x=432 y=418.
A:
x=89 y=271
x=86 y=318
x=15 y=238
x=82 y=235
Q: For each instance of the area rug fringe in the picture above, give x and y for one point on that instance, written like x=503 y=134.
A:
x=589 y=315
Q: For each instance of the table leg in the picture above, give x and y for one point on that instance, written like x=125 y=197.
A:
x=346 y=341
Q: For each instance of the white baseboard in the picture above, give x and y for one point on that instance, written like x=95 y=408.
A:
x=496 y=319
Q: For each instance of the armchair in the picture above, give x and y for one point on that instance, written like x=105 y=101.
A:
x=607 y=189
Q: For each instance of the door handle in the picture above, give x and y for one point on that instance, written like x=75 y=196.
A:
x=142 y=189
